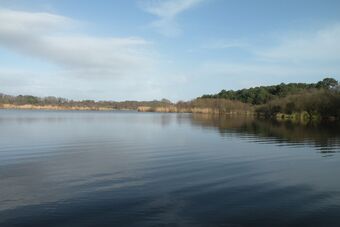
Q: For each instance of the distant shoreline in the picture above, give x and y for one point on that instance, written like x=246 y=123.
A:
x=301 y=117
x=294 y=102
x=53 y=107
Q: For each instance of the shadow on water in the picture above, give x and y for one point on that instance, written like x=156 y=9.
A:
x=324 y=136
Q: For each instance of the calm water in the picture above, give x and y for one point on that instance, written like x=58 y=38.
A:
x=149 y=169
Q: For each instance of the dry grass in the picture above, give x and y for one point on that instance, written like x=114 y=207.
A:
x=51 y=107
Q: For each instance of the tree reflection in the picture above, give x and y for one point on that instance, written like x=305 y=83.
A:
x=323 y=136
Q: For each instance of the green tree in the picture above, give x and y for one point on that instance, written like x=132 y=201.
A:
x=327 y=83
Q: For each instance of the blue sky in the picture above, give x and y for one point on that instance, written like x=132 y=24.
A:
x=153 y=49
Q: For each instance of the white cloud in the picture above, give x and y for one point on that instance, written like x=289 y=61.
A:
x=45 y=36
x=21 y=22
x=319 y=46
x=304 y=56
x=113 y=68
x=119 y=68
x=298 y=47
x=167 y=11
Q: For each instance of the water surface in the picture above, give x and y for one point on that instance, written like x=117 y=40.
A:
x=69 y=168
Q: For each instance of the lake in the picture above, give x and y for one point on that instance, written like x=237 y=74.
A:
x=69 y=168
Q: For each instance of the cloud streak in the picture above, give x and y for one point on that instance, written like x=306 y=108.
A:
x=304 y=56
x=319 y=46
x=85 y=66
x=120 y=68
x=45 y=36
x=167 y=11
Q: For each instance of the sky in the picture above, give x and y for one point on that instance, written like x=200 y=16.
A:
x=154 y=49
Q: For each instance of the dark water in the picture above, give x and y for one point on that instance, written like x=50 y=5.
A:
x=149 y=169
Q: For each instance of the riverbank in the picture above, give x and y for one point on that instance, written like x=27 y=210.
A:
x=298 y=117
x=174 y=109
x=302 y=117
x=52 y=107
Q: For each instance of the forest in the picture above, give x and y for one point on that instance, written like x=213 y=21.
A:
x=264 y=94
x=293 y=100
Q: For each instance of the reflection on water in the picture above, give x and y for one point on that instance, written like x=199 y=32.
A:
x=323 y=136
x=148 y=169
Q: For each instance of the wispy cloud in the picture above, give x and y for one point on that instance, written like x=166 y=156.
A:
x=299 y=47
x=45 y=36
x=296 y=56
x=84 y=65
x=321 y=45
x=167 y=11
x=90 y=66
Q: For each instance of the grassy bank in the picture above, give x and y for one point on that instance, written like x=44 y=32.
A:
x=51 y=107
x=204 y=106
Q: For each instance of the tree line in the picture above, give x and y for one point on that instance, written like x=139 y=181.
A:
x=314 y=100
x=62 y=102
x=307 y=100
x=264 y=94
